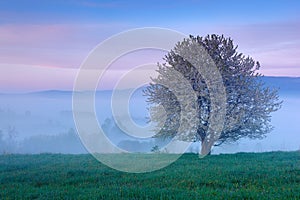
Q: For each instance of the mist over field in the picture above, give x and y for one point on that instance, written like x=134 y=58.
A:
x=43 y=122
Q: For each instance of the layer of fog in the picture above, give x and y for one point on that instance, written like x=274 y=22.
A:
x=43 y=122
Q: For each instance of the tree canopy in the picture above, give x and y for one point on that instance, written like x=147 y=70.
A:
x=248 y=104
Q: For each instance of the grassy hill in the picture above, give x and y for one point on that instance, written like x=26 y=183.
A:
x=274 y=175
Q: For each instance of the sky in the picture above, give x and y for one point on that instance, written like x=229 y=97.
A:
x=43 y=43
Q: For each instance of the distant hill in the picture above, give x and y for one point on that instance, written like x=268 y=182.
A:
x=286 y=85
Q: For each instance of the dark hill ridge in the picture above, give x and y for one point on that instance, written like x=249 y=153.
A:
x=286 y=85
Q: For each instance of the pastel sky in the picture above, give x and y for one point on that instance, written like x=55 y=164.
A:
x=43 y=43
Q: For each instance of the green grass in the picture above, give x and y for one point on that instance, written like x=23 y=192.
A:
x=274 y=175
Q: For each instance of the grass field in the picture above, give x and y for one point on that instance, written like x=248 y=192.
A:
x=274 y=175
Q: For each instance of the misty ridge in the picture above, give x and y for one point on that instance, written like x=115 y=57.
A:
x=42 y=122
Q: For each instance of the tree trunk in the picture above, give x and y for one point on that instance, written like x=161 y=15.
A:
x=205 y=148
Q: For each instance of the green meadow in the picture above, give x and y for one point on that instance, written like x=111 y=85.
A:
x=272 y=175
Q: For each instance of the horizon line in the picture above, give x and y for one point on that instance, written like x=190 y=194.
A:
x=99 y=90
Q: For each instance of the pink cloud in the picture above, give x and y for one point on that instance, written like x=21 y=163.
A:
x=32 y=35
x=62 y=45
x=35 y=44
x=276 y=45
x=54 y=48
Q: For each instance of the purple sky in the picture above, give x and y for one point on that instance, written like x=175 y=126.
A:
x=43 y=44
